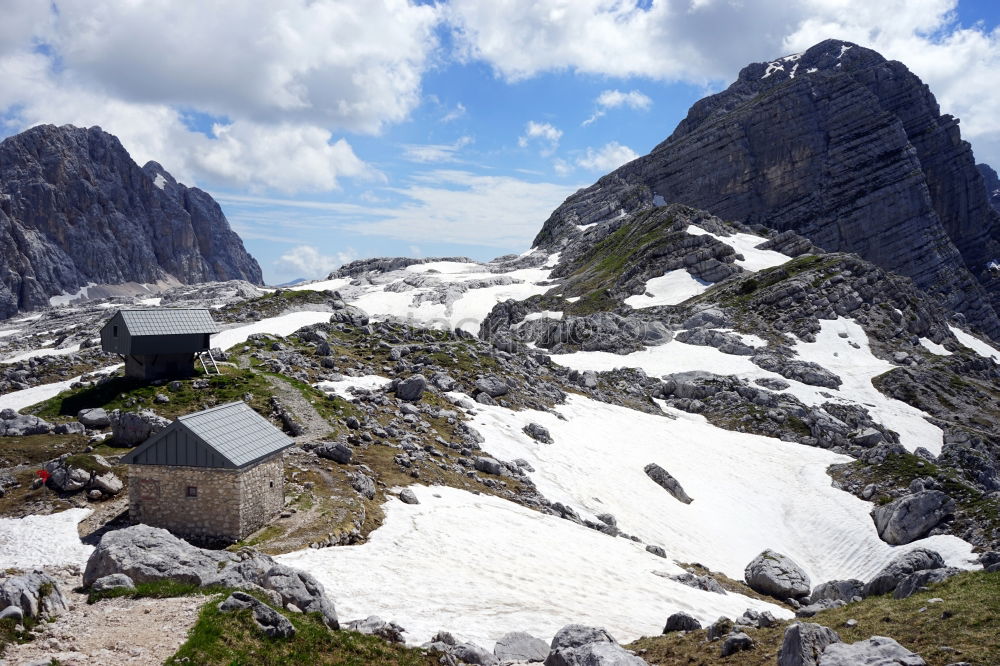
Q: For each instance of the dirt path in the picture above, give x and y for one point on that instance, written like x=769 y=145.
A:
x=315 y=425
x=112 y=632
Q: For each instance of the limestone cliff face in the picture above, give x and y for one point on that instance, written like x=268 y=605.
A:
x=992 y=183
x=839 y=145
x=75 y=210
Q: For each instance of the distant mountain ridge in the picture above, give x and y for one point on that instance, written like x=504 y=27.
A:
x=76 y=210
x=837 y=144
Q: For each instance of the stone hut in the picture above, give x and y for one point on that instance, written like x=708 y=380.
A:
x=159 y=343
x=217 y=474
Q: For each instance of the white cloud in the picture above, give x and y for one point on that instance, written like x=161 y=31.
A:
x=465 y=208
x=297 y=72
x=435 y=152
x=454 y=114
x=306 y=261
x=607 y=158
x=544 y=133
x=707 y=42
x=612 y=99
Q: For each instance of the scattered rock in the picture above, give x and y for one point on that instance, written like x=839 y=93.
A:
x=412 y=388
x=113 y=582
x=407 y=496
x=656 y=550
x=736 y=642
x=492 y=386
x=706 y=583
x=538 y=433
x=847 y=591
x=520 y=646
x=36 y=595
x=875 y=650
x=488 y=465
x=338 y=452
x=95 y=417
x=918 y=580
x=804 y=643
x=681 y=622
x=665 y=480
x=776 y=575
x=373 y=625
x=134 y=428
x=270 y=621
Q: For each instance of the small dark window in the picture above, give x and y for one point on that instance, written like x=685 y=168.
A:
x=192 y=491
x=114 y=331
x=272 y=484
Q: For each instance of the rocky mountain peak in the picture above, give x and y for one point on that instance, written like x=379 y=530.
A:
x=837 y=144
x=77 y=212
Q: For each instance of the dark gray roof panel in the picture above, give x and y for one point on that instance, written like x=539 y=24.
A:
x=236 y=432
x=168 y=321
x=227 y=436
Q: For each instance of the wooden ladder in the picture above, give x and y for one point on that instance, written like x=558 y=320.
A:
x=201 y=356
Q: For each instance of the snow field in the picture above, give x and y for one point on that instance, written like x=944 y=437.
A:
x=44 y=351
x=37 y=541
x=479 y=566
x=671 y=288
x=283 y=325
x=18 y=400
x=746 y=244
x=341 y=387
x=975 y=344
x=855 y=366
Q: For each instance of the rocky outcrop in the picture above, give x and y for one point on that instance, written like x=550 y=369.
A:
x=665 y=480
x=776 y=575
x=147 y=554
x=268 y=620
x=837 y=144
x=992 y=183
x=520 y=647
x=681 y=621
x=75 y=210
x=912 y=517
x=804 y=643
x=578 y=645
x=875 y=650
x=918 y=559
x=33 y=595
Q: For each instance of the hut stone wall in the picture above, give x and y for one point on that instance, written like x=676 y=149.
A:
x=227 y=504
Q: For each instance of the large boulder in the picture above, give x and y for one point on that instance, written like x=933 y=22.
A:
x=889 y=577
x=876 y=651
x=349 y=314
x=373 y=625
x=146 y=554
x=776 y=575
x=33 y=595
x=681 y=621
x=665 y=480
x=95 y=417
x=736 y=642
x=838 y=590
x=22 y=425
x=492 y=386
x=520 y=646
x=411 y=388
x=134 y=428
x=336 y=451
x=912 y=517
x=804 y=643
x=579 y=645
x=917 y=581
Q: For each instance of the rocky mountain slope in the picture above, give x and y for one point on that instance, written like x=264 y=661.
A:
x=838 y=144
x=658 y=417
x=76 y=211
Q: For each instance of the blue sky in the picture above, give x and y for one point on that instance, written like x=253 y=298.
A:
x=335 y=130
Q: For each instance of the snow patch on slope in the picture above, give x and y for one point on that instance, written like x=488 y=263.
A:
x=282 y=325
x=671 y=288
x=746 y=244
x=37 y=541
x=975 y=344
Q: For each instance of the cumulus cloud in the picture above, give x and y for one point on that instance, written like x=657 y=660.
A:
x=306 y=261
x=706 y=42
x=607 y=158
x=298 y=72
x=544 y=134
x=613 y=99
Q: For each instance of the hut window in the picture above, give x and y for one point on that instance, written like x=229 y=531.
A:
x=272 y=484
x=114 y=331
x=192 y=491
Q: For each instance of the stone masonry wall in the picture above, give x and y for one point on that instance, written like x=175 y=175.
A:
x=158 y=496
x=262 y=494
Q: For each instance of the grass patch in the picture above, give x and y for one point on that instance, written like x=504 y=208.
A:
x=130 y=394
x=965 y=626
x=232 y=638
x=156 y=589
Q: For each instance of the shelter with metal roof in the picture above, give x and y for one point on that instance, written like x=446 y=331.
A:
x=217 y=474
x=161 y=342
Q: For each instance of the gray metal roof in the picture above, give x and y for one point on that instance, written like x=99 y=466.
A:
x=235 y=432
x=168 y=321
x=238 y=433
